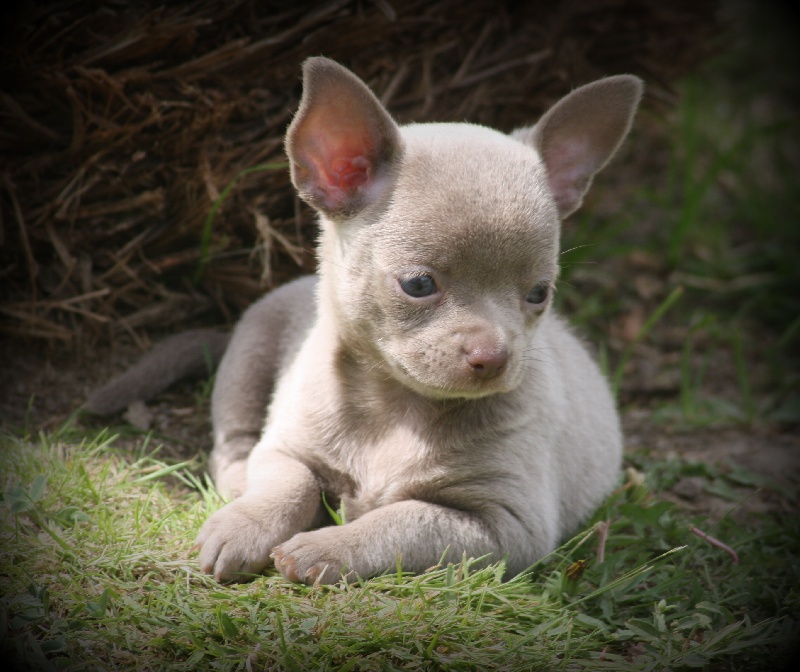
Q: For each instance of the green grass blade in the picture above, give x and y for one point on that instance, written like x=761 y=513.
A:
x=208 y=226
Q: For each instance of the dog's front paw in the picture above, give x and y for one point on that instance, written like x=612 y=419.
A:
x=314 y=557
x=235 y=543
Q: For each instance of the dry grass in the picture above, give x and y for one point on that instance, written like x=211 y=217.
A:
x=122 y=122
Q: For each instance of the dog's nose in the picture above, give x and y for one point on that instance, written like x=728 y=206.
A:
x=487 y=362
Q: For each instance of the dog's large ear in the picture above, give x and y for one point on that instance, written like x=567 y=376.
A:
x=342 y=141
x=580 y=133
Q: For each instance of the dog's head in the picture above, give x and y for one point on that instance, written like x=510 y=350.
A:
x=439 y=247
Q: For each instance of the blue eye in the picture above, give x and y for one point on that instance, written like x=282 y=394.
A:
x=538 y=294
x=419 y=286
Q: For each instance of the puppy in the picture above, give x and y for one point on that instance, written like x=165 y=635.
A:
x=421 y=381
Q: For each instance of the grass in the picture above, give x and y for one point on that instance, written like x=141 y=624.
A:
x=97 y=573
x=208 y=224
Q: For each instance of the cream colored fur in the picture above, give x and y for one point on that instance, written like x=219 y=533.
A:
x=463 y=417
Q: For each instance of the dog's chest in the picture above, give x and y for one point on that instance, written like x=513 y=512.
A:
x=367 y=469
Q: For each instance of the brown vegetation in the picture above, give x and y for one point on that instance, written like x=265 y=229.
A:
x=123 y=122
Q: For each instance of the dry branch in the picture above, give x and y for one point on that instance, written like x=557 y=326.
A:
x=122 y=122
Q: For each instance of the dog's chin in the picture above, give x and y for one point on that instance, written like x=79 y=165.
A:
x=469 y=389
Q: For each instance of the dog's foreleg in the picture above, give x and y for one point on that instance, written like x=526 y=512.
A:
x=419 y=533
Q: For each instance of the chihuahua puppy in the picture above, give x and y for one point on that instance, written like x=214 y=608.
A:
x=421 y=381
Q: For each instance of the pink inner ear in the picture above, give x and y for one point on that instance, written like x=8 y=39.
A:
x=569 y=165
x=339 y=162
x=573 y=159
x=345 y=172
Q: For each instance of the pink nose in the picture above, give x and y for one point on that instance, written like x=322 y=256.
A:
x=487 y=363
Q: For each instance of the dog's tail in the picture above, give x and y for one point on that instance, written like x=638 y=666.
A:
x=190 y=354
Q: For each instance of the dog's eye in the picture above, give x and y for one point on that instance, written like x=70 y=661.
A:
x=419 y=286
x=538 y=294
